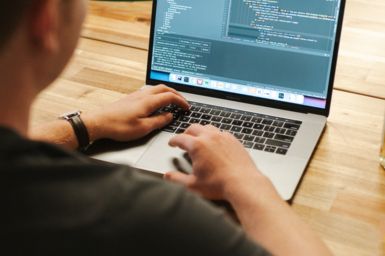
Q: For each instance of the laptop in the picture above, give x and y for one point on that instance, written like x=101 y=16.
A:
x=262 y=70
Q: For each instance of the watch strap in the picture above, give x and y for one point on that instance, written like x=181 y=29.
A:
x=80 y=132
x=79 y=128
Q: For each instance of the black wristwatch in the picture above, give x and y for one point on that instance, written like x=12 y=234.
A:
x=79 y=128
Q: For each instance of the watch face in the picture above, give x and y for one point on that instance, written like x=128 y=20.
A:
x=70 y=115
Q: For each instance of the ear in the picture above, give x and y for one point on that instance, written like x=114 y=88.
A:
x=43 y=25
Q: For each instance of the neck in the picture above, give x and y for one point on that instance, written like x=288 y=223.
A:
x=16 y=120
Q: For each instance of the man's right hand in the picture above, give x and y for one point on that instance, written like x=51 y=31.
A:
x=221 y=165
x=222 y=169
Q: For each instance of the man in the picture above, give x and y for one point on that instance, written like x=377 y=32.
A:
x=56 y=202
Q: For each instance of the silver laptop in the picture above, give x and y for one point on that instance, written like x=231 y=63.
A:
x=262 y=70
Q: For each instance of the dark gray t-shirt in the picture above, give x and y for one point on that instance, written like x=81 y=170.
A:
x=55 y=202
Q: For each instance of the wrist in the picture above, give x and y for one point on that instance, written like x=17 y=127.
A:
x=93 y=126
x=256 y=190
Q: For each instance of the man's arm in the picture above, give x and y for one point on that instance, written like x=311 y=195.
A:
x=223 y=170
x=128 y=119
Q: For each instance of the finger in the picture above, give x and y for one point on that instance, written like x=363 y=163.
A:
x=212 y=128
x=161 y=89
x=182 y=141
x=158 y=101
x=195 y=130
x=158 y=121
x=181 y=178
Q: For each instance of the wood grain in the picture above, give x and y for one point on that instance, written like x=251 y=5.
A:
x=126 y=23
x=342 y=195
x=361 y=65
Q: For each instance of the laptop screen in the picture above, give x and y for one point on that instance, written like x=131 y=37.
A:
x=270 y=49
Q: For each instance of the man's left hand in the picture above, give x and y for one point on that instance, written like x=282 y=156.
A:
x=132 y=117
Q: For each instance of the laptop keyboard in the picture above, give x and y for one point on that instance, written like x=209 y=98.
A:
x=253 y=130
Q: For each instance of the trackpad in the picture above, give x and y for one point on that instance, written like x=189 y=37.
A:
x=162 y=158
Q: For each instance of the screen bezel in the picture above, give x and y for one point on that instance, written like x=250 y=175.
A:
x=250 y=99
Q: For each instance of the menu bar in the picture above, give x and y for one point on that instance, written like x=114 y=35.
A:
x=237 y=88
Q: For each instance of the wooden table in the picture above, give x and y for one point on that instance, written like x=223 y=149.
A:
x=342 y=196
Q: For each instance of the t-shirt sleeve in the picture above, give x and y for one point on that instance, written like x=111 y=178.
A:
x=164 y=217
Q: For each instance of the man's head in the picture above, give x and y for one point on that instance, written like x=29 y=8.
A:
x=10 y=16
x=39 y=35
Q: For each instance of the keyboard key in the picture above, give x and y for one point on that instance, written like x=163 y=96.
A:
x=225 y=127
x=256 y=120
x=184 y=119
x=226 y=121
x=295 y=122
x=176 y=123
x=257 y=133
x=239 y=136
x=205 y=110
x=204 y=122
x=180 y=130
x=247 y=124
x=259 y=146
x=237 y=122
x=194 y=121
x=291 y=133
x=236 y=129
x=278 y=124
x=218 y=125
x=215 y=112
x=280 y=130
x=195 y=108
x=247 y=130
x=246 y=118
x=260 y=140
x=225 y=114
x=267 y=121
x=235 y=116
x=249 y=138
x=258 y=126
x=270 y=149
x=269 y=135
x=291 y=126
x=216 y=119
x=278 y=143
x=269 y=128
x=284 y=138
x=176 y=115
x=185 y=125
x=206 y=117
x=281 y=151
x=248 y=144
x=196 y=115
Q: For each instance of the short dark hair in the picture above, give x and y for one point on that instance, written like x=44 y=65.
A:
x=11 y=13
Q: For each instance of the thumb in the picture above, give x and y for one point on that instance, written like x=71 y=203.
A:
x=178 y=177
